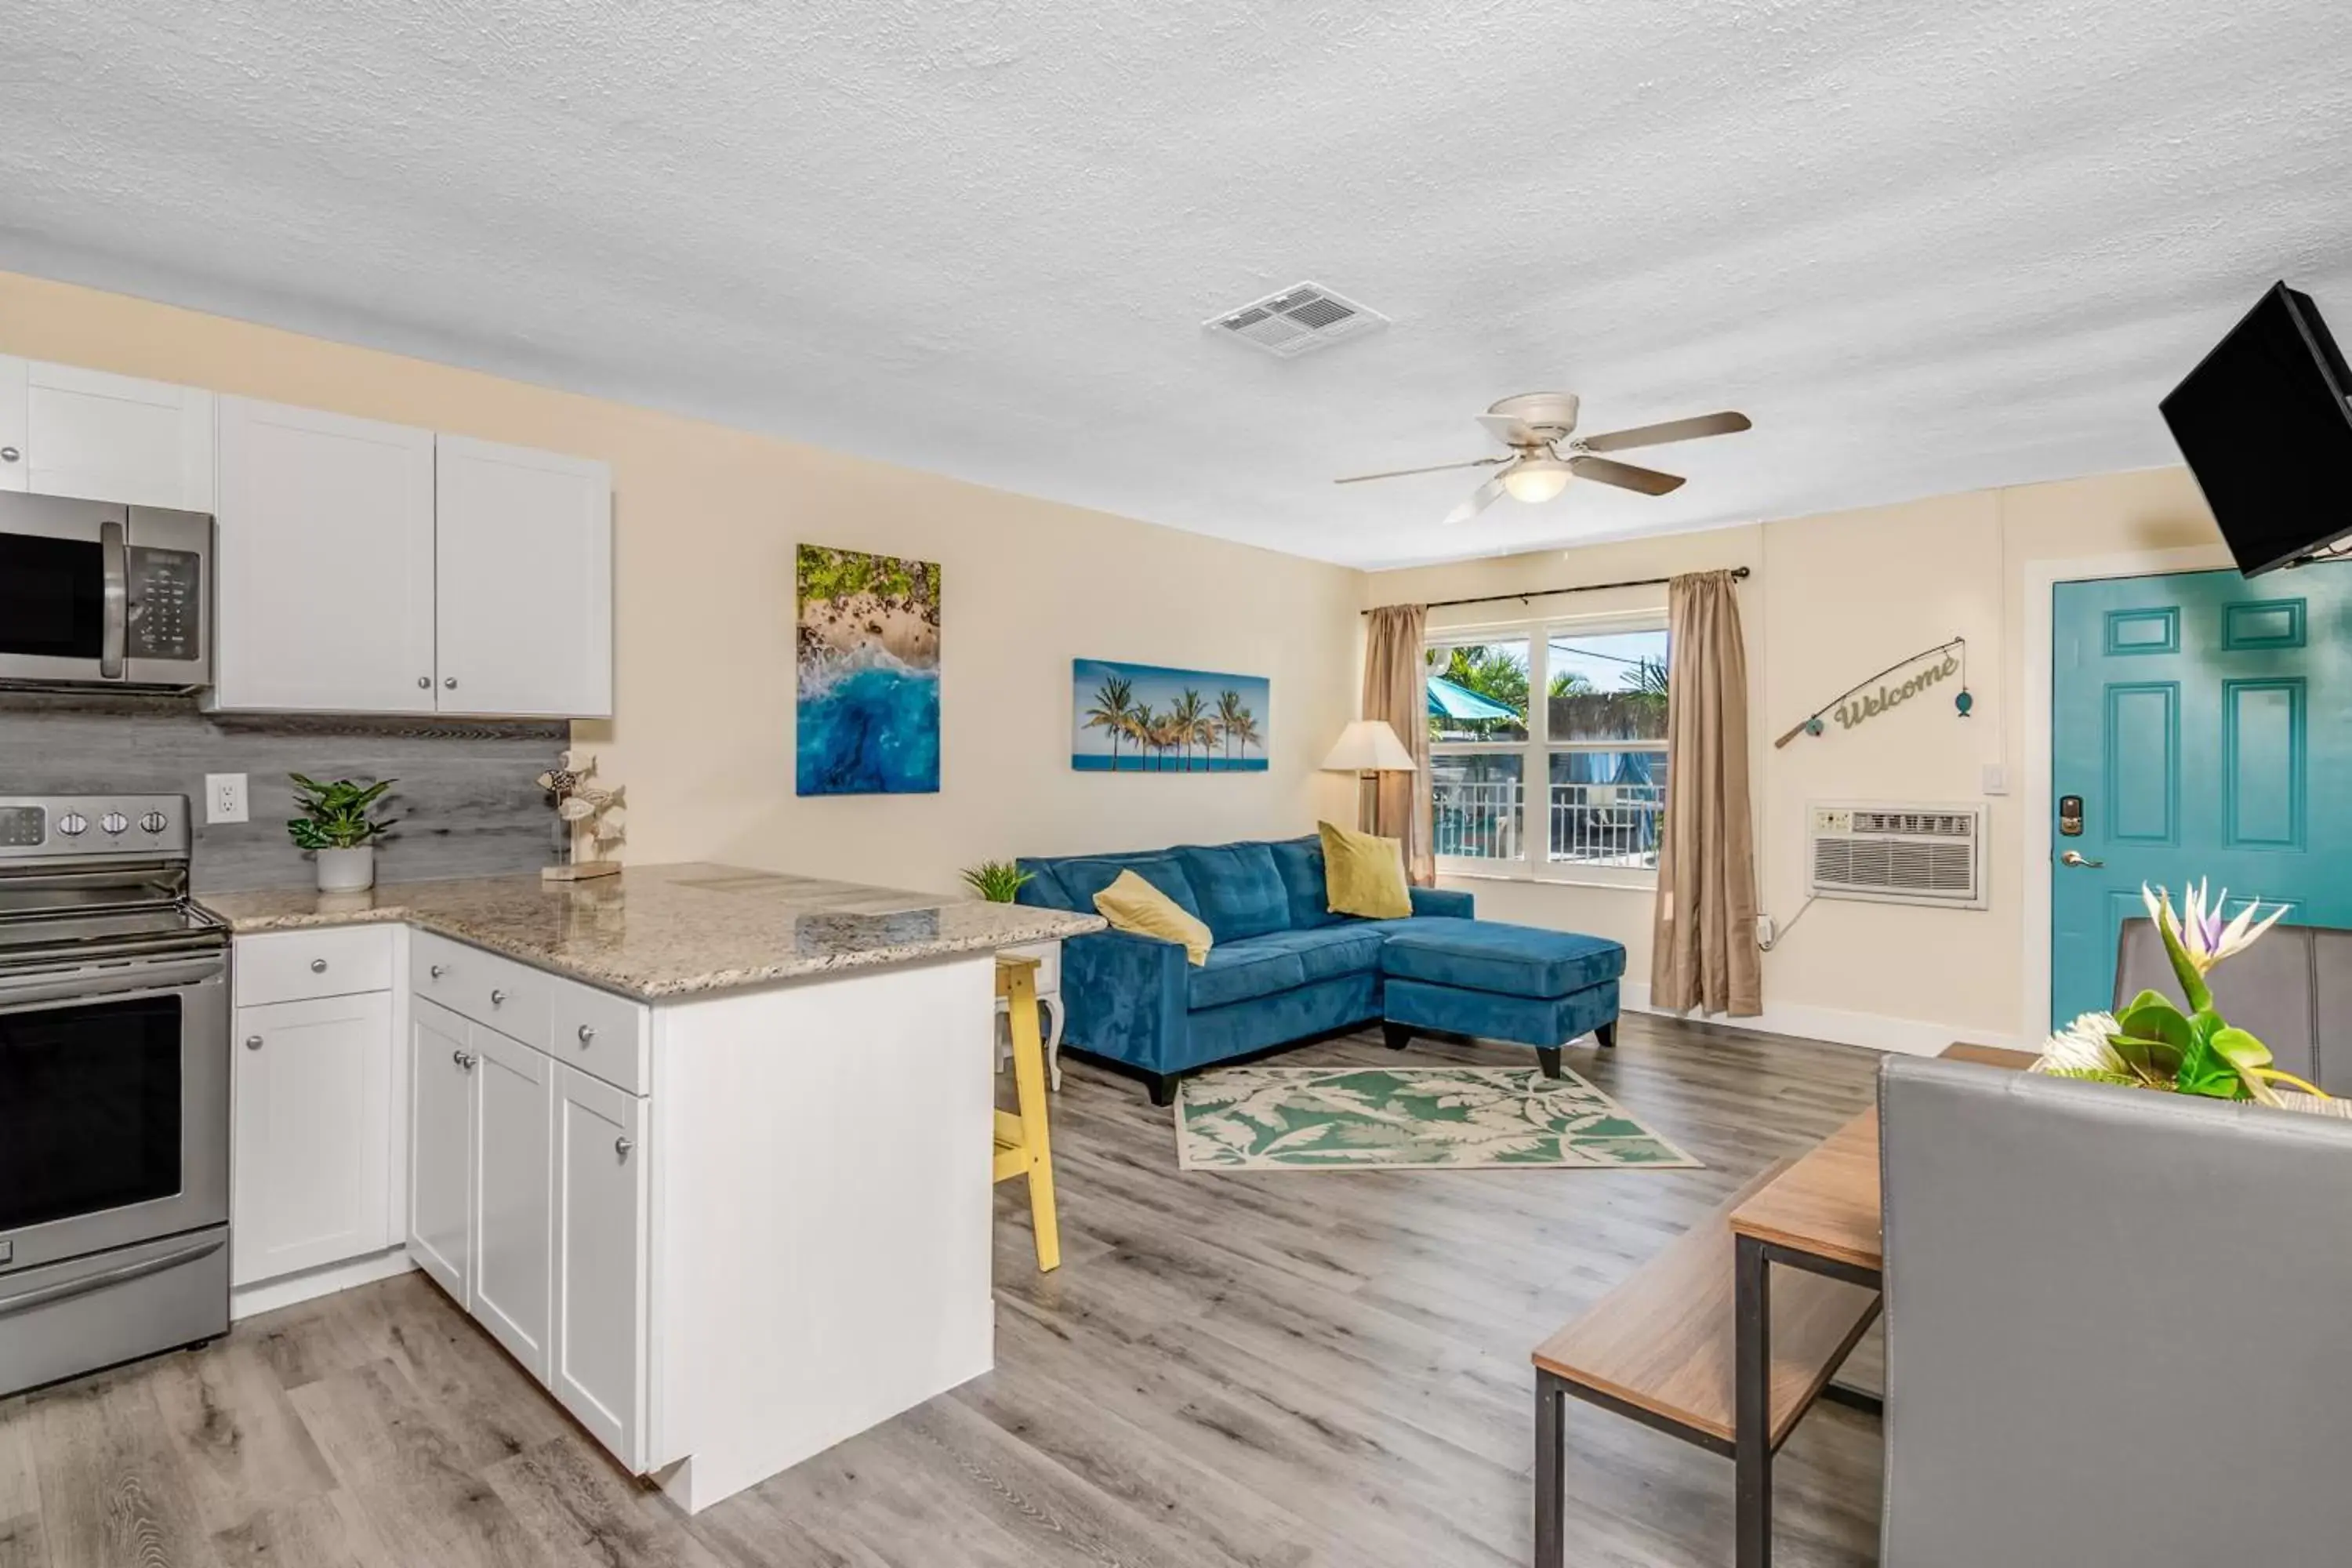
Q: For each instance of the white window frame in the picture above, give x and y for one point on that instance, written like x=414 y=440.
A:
x=1535 y=770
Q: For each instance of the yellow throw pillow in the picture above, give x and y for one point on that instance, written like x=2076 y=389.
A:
x=1132 y=904
x=1363 y=874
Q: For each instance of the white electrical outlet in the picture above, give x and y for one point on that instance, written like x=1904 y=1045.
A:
x=224 y=797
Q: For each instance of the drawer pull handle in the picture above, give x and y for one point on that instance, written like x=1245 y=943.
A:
x=622 y=1145
x=587 y=1033
x=462 y=1059
x=498 y=998
x=435 y=972
x=317 y=967
x=252 y=1042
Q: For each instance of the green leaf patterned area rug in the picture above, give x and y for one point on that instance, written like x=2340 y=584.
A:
x=1355 y=1118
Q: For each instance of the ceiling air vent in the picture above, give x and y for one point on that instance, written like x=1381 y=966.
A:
x=1303 y=317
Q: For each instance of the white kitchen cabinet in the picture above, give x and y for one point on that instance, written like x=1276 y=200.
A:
x=312 y=1150
x=109 y=437
x=524 y=574
x=325 y=580
x=598 y=1368
x=513 y=1208
x=15 y=473
x=442 y=1063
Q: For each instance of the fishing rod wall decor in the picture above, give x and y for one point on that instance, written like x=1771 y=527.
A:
x=1854 y=706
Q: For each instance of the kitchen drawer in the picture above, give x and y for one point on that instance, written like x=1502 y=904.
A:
x=299 y=965
x=600 y=1034
x=509 y=997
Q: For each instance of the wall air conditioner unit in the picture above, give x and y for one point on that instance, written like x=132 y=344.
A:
x=1883 y=854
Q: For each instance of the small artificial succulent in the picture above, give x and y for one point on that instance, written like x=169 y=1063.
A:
x=996 y=881
x=335 y=816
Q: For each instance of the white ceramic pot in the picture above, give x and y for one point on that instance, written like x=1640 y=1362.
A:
x=346 y=870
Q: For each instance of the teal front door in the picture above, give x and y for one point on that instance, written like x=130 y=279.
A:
x=2204 y=724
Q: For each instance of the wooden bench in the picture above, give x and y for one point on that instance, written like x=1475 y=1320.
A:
x=1660 y=1349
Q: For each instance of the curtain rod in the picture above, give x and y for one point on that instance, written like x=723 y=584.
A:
x=1739 y=574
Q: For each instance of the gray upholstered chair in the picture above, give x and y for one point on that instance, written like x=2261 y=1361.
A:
x=2118 y=1326
x=2293 y=989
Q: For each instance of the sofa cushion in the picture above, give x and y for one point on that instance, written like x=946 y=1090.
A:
x=1488 y=955
x=1042 y=889
x=1240 y=891
x=1134 y=905
x=1299 y=862
x=1082 y=880
x=1240 y=971
x=1331 y=951
x=1365 y=873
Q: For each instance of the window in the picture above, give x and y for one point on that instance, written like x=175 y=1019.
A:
x=1571 y=787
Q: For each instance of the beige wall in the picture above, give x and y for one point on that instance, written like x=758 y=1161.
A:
x=706 y=522
x=1834 y=598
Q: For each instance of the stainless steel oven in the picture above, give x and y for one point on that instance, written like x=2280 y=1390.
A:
x=114 y=1090
x=91 y=592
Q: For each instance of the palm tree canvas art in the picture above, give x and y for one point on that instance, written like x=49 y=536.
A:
x=1145 y=718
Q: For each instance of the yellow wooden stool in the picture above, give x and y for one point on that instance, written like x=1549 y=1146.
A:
x=1023 y=1145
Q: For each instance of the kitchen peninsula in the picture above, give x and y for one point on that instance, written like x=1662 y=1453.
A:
x=706 y=1149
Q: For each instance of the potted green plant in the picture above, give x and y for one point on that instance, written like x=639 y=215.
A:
x=334 y=825
x=995 y=880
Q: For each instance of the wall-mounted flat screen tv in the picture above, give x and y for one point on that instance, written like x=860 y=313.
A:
x=2264 y=425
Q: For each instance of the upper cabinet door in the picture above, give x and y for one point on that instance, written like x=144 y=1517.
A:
x=525 y=568
x=15 y=471
x=113 y=437
x=325 y=565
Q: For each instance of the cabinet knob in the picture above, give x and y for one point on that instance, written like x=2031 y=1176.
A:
x=317 y=967
x=435 y=972
x=252 y=1042
x=498 y=998
x=425 y=683
x=451 y=682
x=622 y=1144
x=9 y=454
x=587 y=1033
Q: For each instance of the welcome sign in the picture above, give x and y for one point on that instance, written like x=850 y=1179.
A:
x=1857 y=706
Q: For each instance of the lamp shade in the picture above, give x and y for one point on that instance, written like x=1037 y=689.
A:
x=1368 y=746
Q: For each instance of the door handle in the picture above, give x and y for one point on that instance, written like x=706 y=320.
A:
x=64 y=1290
x=2072 y=859
x=115 y=598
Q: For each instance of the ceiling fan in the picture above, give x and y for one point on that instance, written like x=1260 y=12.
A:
x=1539 y=429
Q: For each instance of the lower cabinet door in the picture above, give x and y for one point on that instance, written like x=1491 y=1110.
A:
x=513 y=1210
x=600 y=1261
x=441 y=1069
x=312 y=1150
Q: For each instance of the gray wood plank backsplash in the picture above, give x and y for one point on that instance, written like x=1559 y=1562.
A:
x=466 y=799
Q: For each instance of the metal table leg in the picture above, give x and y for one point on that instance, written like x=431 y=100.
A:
x=1752 y=1404
x=1551 y=1424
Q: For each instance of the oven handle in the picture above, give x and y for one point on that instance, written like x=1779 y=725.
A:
x=65 y=1289
x=116 y=565
x=77 y=984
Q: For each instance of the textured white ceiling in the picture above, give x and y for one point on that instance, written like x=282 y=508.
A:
x=1927 y=248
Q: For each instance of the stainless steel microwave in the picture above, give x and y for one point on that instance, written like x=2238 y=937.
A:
x=101 y=594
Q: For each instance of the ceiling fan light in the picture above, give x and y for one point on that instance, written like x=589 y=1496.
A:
x=1536 y=478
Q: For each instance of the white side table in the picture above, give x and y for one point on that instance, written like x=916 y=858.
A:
x=1048 y=955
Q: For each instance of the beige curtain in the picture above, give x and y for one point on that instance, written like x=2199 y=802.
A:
x=1396 y=688
x=1704 y=952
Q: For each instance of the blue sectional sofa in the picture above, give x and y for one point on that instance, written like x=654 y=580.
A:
x=1284 y=969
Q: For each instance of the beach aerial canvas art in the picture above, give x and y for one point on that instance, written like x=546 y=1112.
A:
x=1144 y=717
x=868 y=657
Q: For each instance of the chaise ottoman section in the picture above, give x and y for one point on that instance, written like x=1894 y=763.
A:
x=1535 y=987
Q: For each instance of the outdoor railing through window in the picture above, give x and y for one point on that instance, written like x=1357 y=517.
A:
x=1589 y=823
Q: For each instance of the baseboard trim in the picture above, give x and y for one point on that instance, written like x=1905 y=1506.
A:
x=1872 y=1031
x=251 y=1301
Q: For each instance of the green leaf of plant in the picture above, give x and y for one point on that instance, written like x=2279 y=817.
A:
x=2157 y=1062
x=2184 y=969
x=2152 y=1016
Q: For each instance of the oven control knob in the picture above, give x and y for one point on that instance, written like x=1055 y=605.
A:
x=114 y=822
x=155 y=822
x=73 y=825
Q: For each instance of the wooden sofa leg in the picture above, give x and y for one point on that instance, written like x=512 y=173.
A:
x=1548 y=1056
x=1605 y=1037
x=1398 y=1036
x=1163 y=1086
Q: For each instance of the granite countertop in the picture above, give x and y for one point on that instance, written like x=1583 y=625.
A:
x=656 y=932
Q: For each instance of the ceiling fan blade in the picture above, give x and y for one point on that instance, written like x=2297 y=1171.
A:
x=1625 y=476
x=1691 y=429
x=1432 y=468
x=1481 y=498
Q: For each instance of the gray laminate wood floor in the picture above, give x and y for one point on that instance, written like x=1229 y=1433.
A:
x=1276 y=1370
